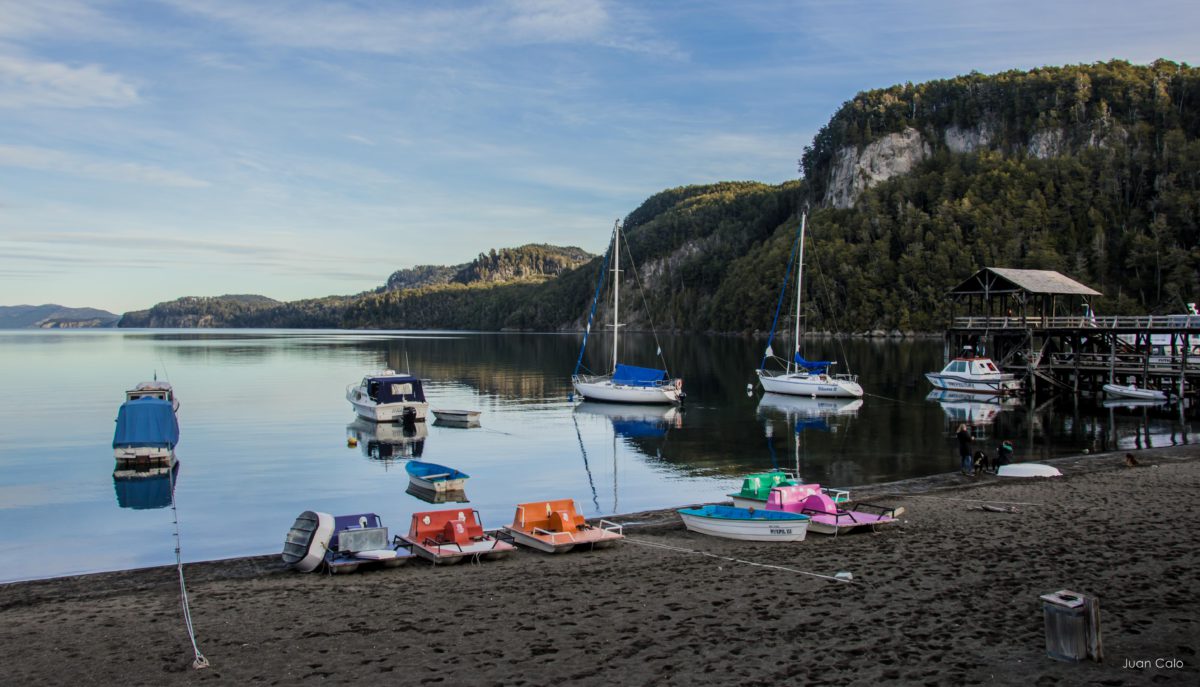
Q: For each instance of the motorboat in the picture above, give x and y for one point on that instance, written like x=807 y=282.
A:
x=434 y=477
x=388 y=396
x=556 y=527
x=802 y=377
x=146 y=433
x=342 y=543
x=746 y=524
x=625 y=383
x=974 y=374
x=455 y=535
x=1134 y=392
x=827 y=516
x=456 y=418
x=154 y=389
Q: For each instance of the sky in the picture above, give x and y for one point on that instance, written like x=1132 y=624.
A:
x=157 y=149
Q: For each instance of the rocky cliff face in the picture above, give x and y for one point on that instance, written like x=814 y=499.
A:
x=853 y=171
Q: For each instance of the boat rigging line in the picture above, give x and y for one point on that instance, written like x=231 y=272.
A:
x=649 y=315
x=680 y=549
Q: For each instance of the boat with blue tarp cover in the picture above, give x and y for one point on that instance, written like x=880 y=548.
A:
x=626 y=383
x=146 y=432
x=145 y=489
x=388 y=396
x=746 y=524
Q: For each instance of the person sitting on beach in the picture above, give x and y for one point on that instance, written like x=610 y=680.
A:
x=966 y=463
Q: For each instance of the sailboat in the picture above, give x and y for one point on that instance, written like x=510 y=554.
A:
x=625 y=383
x=802 y=377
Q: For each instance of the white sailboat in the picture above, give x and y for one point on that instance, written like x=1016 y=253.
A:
x=802 y=377
x=626 y=383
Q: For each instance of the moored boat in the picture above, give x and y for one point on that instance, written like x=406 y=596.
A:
x=556 y=527
x=827 y=517
x=801 y=377
x=746 y=524
x=456 y=418
x=451 y=536
x=1134 y=392
x=388 y=396
x=626 y=383
x=434 y=477
x=146 y=433
x=974 y=374
x=154 y=389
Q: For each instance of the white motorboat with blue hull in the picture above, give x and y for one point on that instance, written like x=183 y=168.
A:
x=626 y=383
x=388 y=396
x=746 y=524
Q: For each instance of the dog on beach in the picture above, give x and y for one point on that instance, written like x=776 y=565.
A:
x=979 y=463
x=1130 y=461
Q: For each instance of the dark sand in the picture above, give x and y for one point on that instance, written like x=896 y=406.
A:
x=951 y=597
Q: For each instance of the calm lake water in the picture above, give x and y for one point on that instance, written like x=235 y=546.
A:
x=264 y=426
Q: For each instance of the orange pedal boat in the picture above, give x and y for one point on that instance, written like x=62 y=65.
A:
x=556 y=527
x=453 y=535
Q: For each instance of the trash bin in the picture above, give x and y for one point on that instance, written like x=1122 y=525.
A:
x=1067 y=615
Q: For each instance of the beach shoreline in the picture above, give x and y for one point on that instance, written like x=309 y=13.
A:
x=950 y=595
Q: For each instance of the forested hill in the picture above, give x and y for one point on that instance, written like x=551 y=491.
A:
x=531 y=261
x=1090 y=170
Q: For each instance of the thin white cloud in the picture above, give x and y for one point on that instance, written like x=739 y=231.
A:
x=34 y=83
x=47 y=160
x=410 y=28
x=22 y=19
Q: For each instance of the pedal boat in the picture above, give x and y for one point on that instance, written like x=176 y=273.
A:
x=342 y=543
x=556 y=527
x=445 y=537
x=757 y=487
x=826 y=514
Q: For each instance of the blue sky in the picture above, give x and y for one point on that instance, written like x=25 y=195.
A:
x=151 y=150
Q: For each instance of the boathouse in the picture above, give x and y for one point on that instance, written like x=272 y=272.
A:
x=1040 y=324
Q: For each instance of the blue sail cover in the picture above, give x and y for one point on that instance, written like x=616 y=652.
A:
x=813 y=365
x=146 y=422
x=638 y=376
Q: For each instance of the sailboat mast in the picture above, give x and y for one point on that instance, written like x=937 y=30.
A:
x=799 y=291
x=616 y=289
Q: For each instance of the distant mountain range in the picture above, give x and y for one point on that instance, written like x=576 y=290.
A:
x=51 y=316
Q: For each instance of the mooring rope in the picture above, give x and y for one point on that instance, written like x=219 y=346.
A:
x=200 y=661
x=681 y=549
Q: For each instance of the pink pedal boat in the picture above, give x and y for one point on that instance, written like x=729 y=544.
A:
x=454 y=535
x=826 y=516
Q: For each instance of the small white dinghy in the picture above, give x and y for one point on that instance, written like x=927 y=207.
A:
x=1028 y=470
x=1134 y=392
x=454 y=417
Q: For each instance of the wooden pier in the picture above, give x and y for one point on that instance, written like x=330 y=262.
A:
x=1021 y=326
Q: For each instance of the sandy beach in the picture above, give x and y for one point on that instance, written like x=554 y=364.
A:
x=948 y=597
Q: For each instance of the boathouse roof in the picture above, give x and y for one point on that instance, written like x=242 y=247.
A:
x=996 y=280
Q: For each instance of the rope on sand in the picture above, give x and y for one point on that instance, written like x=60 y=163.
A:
x=200 y=661
x=946 y=498
x=681 y=549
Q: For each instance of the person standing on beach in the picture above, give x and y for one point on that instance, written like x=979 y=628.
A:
x=964 y=450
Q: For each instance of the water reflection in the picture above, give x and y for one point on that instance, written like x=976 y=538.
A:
x=803 y=414
x=636 y=422
x=146 y=488
x=388 y=441
x=433 y=496
x=977 y=411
